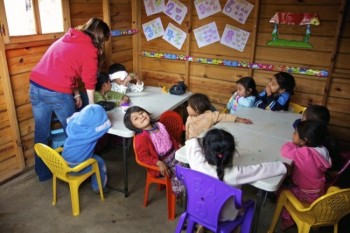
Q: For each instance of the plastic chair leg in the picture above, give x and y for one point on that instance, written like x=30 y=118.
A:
x=74 y=195
x=171 y=199
x=54 y=188
x=99 y=182
x=281 y=201
x=180 y=223
x=190 y=226
x=303 y=228
x=145 y=198
x=335 y=229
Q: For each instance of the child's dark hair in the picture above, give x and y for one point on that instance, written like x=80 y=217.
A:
x=285 y=81
x=127 y=118
x=199 y=103
x=248 y=83
x=317 y=113
x=219 y=147
x=116 y=67
x=312 y=132
x=102 y=78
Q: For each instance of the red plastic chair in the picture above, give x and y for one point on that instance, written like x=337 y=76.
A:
x=206 y=196
x=171 y=198
x=174 y=124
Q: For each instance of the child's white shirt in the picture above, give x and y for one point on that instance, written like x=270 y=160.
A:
x=130 y=88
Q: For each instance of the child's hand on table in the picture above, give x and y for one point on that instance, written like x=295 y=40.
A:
x=243 y=120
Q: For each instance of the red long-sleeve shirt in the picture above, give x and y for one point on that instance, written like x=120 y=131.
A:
x=70 y=57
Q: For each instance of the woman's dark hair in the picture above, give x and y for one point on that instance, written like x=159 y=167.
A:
x=99 y=32
x=102 y=78
x=285 y=81
x=127 y=118
x=312 y=132
x=248 y=83
x=199 y=103
x=317 y=113
x=219 y=147
x=116 y=67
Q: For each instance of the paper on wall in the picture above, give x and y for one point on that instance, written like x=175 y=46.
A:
x=153 y=29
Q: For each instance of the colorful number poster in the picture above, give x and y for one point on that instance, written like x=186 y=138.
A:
x=174 y=35
x=206 y=34
x=234 y=37
x=153 y=29
x=154 y=6
x=176 y=10
x=238 y=10
x=206 y=8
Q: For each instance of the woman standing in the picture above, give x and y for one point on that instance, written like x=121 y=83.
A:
x=53 y=81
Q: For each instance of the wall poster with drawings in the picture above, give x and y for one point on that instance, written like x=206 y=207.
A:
x=238 y=10
x=154 y=6
x=207 y=8
x=234 y=38
x=207 y=34
x=176 y=10
x=174 y=35
x=153 y=29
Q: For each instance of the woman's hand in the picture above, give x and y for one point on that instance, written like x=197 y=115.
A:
x=243 y=120
x=163 y=169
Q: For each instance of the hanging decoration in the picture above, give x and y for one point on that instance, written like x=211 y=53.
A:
x=234 y=37
x=154 y=6
x=290 y=18
x=238 y=64
x=123 y=32
x=207 y=34
x=153 y=29
x=176 y=10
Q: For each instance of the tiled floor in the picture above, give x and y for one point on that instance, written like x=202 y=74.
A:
x=25 y=205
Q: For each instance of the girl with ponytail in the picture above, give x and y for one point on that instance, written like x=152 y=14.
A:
x=214 y=156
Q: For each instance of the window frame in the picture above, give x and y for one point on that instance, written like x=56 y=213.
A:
x=39 y=36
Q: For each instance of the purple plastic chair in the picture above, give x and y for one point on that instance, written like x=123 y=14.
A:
x=205 y=198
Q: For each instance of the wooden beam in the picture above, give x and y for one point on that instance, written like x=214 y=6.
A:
x=11 y=110
x=253 y=35
x=107 y=19
x=188 y=43
x=341 y=19
x=136 y=38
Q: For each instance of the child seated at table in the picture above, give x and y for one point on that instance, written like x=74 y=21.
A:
x=201 y=118
x=103 y=91
x=277 y=93
x=214 y=155
x=244 y=96
x=154 y=145
x=83 y=130
x=321 y=114
x=310 y=163
x=122 y=81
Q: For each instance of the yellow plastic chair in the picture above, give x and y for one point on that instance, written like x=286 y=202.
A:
x=60 y=169
x=327 y=210
x=293 y=107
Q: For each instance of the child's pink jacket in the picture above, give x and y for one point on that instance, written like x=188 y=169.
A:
x=310 y=165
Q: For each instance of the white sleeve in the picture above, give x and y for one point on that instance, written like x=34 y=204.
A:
x=135 y=87
x=119 y=88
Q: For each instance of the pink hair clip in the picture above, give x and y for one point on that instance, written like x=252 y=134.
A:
x=219 y=156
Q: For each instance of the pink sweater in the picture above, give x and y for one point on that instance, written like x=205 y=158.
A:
x=70 y=57
x=310 y=165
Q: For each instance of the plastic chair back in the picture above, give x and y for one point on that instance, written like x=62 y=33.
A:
x=293 y=107
x=206 y=196
x=338 y=174
x=327 y=210
x=60 y=169
x=174 y=124
x=171 y=199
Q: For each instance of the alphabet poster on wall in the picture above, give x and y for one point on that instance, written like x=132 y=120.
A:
x=176 y=10
x=238 y=10
x=234 y=37
x=206 y=34
x=174 y=35
x=153 y=29
x=206 y=8
x=154 y=6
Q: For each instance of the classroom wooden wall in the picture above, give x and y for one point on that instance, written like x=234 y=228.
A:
x=218 y=82
x=328 y=53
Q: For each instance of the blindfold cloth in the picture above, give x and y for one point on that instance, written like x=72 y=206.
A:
x=119 y=74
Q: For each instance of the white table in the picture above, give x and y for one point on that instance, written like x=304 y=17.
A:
x=257 y=143
x=155 y=102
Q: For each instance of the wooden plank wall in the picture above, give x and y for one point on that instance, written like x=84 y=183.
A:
x=218 y=82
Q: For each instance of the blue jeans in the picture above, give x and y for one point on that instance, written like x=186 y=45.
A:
x=44 y=102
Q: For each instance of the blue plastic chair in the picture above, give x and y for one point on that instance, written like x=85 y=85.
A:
x=206 y=196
